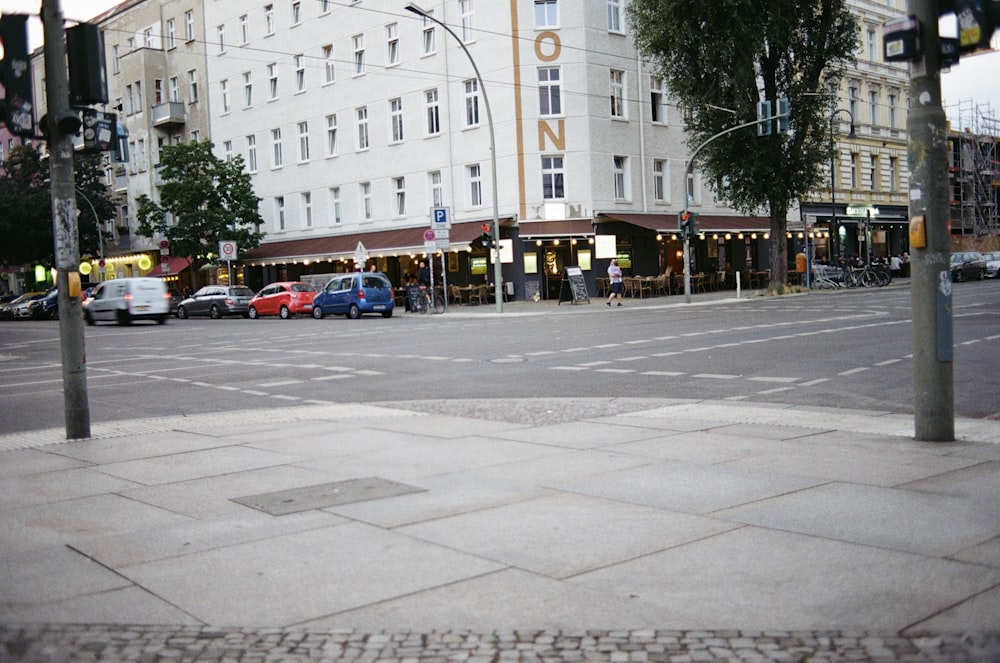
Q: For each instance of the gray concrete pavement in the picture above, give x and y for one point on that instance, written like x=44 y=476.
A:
x=573 y=529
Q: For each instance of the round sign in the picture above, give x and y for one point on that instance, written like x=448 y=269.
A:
x=429 y=236
x=164 y=243
x=227 y=250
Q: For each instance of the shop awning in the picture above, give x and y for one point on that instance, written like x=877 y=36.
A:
x=380 y=243
x=174 y=266
x=566 y=228
x=667 y=223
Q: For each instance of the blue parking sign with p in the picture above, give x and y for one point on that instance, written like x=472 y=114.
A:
x=439 y=217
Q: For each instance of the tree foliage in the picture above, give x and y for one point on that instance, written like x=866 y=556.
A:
x=203 y=199
x=731 y=54
x=26 y=207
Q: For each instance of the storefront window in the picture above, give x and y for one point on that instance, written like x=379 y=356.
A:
x=530 y=263
x=583 y=259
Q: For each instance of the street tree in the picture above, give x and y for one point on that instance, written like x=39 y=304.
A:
x=732 y=54
x=203 y=200
x=26 y=207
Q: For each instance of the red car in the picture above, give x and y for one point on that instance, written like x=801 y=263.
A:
x=284 y=299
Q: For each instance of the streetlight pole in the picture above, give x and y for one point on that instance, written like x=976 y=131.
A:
x=497 y=271
x=834 y=228
x=97 y=222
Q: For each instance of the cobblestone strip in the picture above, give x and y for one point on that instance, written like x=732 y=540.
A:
x=154 y=644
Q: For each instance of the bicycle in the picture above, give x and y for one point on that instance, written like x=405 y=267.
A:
x=426 y=302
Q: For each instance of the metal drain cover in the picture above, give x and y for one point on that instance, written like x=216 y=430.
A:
x=324 y=495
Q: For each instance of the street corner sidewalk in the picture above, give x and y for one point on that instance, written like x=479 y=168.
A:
x=561 y=514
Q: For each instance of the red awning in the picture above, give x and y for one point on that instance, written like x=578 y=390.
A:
x=567 y=228
x=335 y=247
x=172 y=267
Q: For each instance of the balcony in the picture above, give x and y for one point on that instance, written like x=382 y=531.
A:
x=168 y=115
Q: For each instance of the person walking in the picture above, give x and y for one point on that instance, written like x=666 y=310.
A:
x=615 y=281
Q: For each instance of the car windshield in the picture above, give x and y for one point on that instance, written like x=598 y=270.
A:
x=241 y=291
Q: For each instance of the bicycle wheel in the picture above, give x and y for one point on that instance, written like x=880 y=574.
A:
x=851 y=279
x=439 y=304
x=868 y=278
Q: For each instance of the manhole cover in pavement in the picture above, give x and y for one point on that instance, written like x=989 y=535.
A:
x=324 y=495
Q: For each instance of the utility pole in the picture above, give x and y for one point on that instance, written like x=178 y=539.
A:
x=62 y=125
x=930 y=241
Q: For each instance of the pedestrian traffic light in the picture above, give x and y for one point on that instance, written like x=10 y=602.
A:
x=487 y=235
x=784 y=112
x=687 y=223
x=764 y=118
x=15 y=74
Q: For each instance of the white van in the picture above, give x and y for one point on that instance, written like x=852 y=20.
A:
x=125 y=300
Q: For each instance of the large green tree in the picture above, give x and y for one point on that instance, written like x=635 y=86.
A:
x=731 y=54
x=203 y=199
x=26 y=206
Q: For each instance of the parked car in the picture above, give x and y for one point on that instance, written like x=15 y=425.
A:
x=284 y=299
x=176 y=297
x=45 y=307
x=967 y=265
x=355 y=294
x=128 y=299
x=992 y=264
x=217 y=301
x=8 y=312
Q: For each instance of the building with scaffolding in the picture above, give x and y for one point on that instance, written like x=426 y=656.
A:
x=974 y=177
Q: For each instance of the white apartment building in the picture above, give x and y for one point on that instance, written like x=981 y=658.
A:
x=355 y=118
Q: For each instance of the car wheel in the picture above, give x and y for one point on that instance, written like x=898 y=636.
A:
x=88 y=318
x=252 y=313
x=386 y=314
x=214 y=312
x=317 y=313
x=124 y=318
x=182 y=313
x=354 y=312
x=959 y=276
x=162 y=320
x=284 y=313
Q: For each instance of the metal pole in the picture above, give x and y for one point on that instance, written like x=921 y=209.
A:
x=497 y=269
x=97 y=222
x=930 y=282
x=64 y=213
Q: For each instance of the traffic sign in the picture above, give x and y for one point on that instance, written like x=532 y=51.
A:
x=440 y=217
x=227 y=250
x=429 y=236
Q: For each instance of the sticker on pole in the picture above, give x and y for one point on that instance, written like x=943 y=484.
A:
x=227 y=250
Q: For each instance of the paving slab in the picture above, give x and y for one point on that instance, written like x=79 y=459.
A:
x=57 y=486
x=130 y=605
x=195 y=464
x=50 y=574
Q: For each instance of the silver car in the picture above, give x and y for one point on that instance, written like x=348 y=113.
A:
x=217 y=301
x=992 y=264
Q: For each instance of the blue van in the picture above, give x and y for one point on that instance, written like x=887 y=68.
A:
x=355 y=294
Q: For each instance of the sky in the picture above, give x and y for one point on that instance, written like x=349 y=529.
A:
x=972 y=83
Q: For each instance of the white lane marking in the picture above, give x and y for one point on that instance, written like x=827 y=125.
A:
x=331 y=377
x=773 y=379
x=814 y=382
x=614 y=370
x=715 y=376
x=887 y=362
x=860 y=369
x=775 y=390
x=278 y=383
x=668 y=374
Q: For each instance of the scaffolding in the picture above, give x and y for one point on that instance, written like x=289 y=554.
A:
x=974 y=170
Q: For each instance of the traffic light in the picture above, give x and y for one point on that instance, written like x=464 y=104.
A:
x=487 y=235
x=687 y=223
x=784 y=112
x=15 y=73
x=88 y=78
x=763 y=118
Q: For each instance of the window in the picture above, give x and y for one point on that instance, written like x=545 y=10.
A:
x=694 y=188
x=171 y=33
x=268 y=20
x=272 y=81
x=247 y=90
x=220 y=33
x=158 y=91
x=552 y=178
x=549 y=91
x=296 y=13
x=307 y=210
x=335 y=204
x=894 y=174
x=617 y=93
x=300 y=72
x=854 y=169
x=620 y=180
x=396 y=120
x=137 y=103
x=429 y=39
x=116 y=65
x=472 y=102
x=871 y=43
x=279 y=212
x=852 y=101
x=657 y=100
x=277 y=159
x=331 y=135
x=147 y=37
x=227 y=150
x=303 y=141
x=129 y=107
x=466 y=19
x=873 y=106
x=433 y=112
x=893 y=103
x=474 y=178
x=399 y=184
x=366 y=200
x=329 y=73
x=244 y=29
x=174 y=89
x=359 y=54
x=140 y=154
x=437 y=188
x=873 y=174
x=391 y=44
x=614 y=15
x=546 y=14
x=362 y=115
x=224 y=93
x=192 y=86
x=189 y=25
x=324 y=6
x=661 y=177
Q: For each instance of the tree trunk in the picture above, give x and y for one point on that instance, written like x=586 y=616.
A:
x=778 y=246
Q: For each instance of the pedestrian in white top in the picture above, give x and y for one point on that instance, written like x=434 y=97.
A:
x=615 y=279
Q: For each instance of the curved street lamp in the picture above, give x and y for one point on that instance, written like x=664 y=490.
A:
x=497 y=271
x=97 y=222
x=834 y=227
